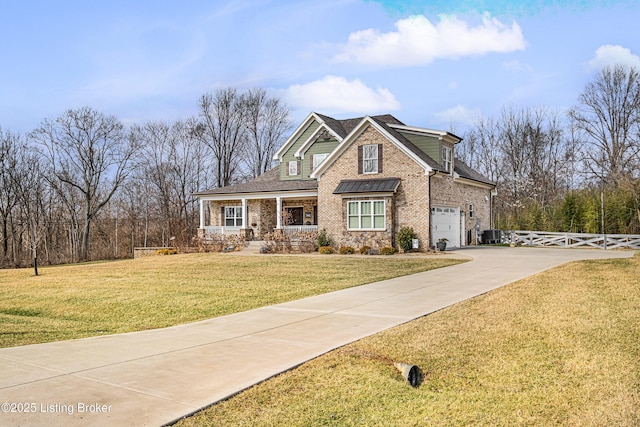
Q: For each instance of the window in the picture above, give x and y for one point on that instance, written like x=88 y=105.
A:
x=470 y=211
x=293 y=168
x=317 y=159
x=370 y=158
x=292 y=215
x=446 y=159
x=366 y=215
x=233 y=216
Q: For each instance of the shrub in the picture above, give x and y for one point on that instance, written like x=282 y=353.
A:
x=387 y=250
x=167 y=251
x=405 y=238
x=326 y=250
x=365 y=250
x=346 y=250
x=323 y=239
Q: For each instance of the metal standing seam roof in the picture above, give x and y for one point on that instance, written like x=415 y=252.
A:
x=380 y=185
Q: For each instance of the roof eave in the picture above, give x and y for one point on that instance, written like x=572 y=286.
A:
x=296 y=134
x=366 y=121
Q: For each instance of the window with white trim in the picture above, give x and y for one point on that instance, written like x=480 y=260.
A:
x=366 y=215
x=370 y=158
x=470 y=211
x=446 y=159
x=318 y=159
x=293 y=167
x=233 y=216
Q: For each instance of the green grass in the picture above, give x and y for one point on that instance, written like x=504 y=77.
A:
x=559 y=348
x=74 y=301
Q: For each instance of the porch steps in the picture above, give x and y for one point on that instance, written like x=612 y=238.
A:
x=253 y=247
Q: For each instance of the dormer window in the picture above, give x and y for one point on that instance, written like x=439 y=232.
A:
x=316 y=159
x=293 y=168
x=370 y=158
x=446 y=159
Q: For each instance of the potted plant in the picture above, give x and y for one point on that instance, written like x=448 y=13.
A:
x=442 y=244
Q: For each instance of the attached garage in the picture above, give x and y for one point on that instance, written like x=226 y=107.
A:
x=446 y=223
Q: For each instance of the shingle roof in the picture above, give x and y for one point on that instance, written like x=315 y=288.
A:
x=345 y=126
x=410 y=146
x=466 y=172
x=376 y=185
x=267 y=182
x=270 y=180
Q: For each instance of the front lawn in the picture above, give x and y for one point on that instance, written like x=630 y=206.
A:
x=558 y=349
x=74 y=301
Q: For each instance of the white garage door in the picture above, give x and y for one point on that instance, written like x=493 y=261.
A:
x=446 y=223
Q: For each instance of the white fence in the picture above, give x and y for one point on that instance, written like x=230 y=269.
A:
x=572 y=240
x=214 y=229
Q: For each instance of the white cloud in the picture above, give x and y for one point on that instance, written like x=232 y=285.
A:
x=417 y=41
x=613 y=55
x=459 y=115
x=337 y=94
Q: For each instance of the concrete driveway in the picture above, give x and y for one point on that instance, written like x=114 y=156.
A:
x=151 y=378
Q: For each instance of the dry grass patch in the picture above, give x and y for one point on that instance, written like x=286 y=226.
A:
x=560 y=348
x=76 y=301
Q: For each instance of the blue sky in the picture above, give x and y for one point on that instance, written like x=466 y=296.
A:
x=437 y=64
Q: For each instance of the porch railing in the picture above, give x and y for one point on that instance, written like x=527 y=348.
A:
x=290 y=229
x=216 y=229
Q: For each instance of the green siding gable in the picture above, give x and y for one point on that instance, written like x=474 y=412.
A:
x=430 y=145
x=318 y=147
x=289 y=154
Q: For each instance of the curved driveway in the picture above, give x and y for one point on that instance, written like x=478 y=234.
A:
x=155 y=377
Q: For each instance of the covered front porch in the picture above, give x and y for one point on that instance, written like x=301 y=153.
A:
x=251 y=216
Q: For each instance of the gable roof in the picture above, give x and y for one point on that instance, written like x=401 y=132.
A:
x=338 y=128
x=384 y=125
x=346 y=132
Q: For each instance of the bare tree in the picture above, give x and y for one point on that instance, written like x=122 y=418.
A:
x=267 y=124
x=480 y=148
x=176 y=165
x=32 y=193
x=156 y=167
x=608 y=117
x=10 y=147
x=89 y=156
x=526 y=153
x=190 y=163
x=222 y=128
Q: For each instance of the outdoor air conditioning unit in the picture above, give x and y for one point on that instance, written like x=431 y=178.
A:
x=491 y=236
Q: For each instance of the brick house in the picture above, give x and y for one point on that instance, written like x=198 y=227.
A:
x=361 y=180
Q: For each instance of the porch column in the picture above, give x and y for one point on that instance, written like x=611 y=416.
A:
x=278 y=212
x=201 y=213
x=244 y=213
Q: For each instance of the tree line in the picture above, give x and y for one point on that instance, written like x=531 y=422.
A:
x=576 y=171
x=83 y=186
